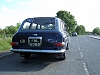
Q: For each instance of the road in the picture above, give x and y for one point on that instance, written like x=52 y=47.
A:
x=83 y=58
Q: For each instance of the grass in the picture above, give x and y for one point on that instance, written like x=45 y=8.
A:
x=5 y=44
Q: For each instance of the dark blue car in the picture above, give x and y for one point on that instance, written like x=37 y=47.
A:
x=41 y=35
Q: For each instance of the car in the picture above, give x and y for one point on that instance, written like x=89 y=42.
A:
x=95 y=34
x=74 y=34
x=41 y=35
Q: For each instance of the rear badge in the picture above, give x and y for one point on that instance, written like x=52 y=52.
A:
x=35 y=34
x=50 y=39
x=22 y=41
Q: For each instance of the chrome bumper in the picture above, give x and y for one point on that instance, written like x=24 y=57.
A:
x=37 y=51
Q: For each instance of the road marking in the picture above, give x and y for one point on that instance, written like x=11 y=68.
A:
x=81 y=54
x=79 y=48
x=6 y=54
x=84 y=64
x=86 y=69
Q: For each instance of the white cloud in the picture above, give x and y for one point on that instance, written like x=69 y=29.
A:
x=10 y=0
x=8 y=10
x=28 y=3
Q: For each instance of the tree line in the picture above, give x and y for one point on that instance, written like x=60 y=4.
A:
x=67 y=17
x=71 y=23
x=10 y=29
x=96 y=31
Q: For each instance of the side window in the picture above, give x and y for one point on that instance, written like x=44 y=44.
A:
x=62 y=26
x=26 y=25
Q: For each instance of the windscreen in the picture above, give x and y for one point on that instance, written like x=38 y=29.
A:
x=46 y=23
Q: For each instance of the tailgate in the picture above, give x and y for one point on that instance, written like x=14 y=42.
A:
x=36 y=40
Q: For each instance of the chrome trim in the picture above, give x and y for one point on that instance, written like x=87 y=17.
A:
x=37 y=51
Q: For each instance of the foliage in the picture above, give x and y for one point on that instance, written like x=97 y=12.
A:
x=11 y=29
x=96 y=31
x=18 y=25
x=80 y=30
x=1 y=31
x=68 y=18
x=5 y=44
x=5 y=36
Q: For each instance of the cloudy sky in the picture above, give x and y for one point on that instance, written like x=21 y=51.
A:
x=86 y=12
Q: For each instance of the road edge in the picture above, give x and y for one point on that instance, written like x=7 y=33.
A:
x=95 y=37
x=5 y=54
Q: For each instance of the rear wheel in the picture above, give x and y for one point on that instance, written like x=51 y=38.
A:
x=62 y=56
x=67 y=47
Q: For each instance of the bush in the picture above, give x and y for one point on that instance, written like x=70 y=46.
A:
x=5 y=44
x=1 y=36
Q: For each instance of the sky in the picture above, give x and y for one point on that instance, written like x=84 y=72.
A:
x=86 y=12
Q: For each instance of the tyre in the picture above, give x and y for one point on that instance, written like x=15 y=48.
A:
x=62 y=56
x=67 y=47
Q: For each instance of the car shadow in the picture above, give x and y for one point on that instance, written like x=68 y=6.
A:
x=36 y=62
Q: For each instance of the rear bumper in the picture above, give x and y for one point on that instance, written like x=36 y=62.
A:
x=36 y=51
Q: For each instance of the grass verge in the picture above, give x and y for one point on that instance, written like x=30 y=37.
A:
x=5 y=44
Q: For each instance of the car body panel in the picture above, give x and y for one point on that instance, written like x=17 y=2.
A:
x=39 y=34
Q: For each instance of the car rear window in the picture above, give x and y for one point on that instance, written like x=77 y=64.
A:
x=39 y=24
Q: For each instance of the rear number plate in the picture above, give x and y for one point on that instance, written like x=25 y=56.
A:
x=34 y=41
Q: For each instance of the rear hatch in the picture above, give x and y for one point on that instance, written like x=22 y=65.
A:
x=35 y=40
x=36 y=33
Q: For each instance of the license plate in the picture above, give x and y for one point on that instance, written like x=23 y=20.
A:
x=34 y=41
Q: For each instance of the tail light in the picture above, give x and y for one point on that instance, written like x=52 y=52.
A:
x=14 y=43
x=58 y=44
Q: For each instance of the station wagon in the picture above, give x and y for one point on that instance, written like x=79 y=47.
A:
x=41 y=35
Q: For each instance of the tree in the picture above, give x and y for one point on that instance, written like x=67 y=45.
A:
x=96 y=31
x=80 y=29
x=1 y=30
x=10 y=29
x=69 y=19
x=18 y=25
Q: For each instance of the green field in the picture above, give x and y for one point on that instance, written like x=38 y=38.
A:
x=5 y=44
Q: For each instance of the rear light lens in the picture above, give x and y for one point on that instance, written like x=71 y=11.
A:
x=14 y=43
x=58 y=44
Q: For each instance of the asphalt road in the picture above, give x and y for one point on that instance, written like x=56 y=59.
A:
x=83 y=58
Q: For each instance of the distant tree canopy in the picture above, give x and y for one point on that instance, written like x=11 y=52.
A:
x=80 y=30
x=11 y=29
x=69 y=19
x=18 y=25
x=1 y=30
x=96 y=31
